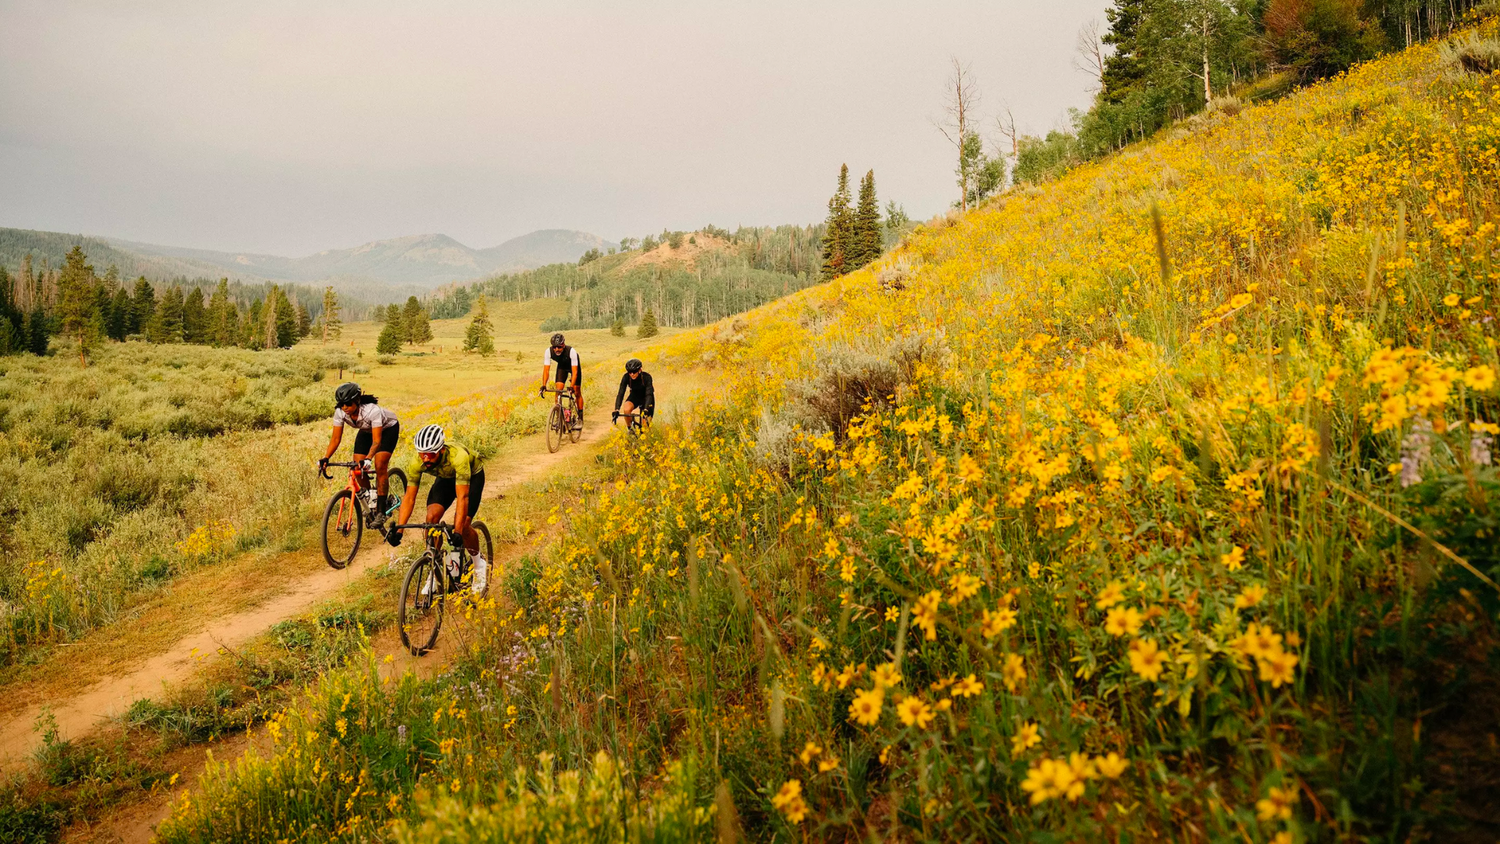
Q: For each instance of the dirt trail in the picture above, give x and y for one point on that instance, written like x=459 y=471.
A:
x=80 y=714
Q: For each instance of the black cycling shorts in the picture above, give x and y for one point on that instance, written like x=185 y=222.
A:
x=389 y=436
x=445 y=491
x=637 y=398
x=563 y=377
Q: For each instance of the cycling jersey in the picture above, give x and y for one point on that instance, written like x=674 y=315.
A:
x=641 y=392
x=456 y=463
x=564 y=360
x=369 y=416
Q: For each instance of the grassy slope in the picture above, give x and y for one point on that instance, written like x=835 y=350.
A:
x=1119 y=540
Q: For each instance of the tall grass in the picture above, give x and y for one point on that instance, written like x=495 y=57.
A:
x=1175 y=520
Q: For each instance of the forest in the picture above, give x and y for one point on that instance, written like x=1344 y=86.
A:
x=683 y=278
x=39 y=301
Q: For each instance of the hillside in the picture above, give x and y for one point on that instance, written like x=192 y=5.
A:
x=686 y=279
x=1154 y=503
x=409 y=264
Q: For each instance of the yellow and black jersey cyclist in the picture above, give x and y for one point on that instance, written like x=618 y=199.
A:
x=458 y=477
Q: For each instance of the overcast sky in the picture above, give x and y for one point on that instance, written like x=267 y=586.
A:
x=293 y=127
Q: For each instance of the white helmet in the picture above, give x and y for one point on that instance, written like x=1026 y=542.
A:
x=429 y=440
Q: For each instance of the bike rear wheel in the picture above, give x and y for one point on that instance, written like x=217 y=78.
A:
x=343 y=526
x=555 y=428
x=420 y=615
x=395 y=484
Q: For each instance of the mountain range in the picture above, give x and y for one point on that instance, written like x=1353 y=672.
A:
x=417 y=262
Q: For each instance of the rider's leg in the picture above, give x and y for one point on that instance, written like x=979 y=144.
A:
x=625 y=408
x=382 y=471
x=578 y=397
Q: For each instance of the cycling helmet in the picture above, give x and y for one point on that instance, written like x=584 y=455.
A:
x=429 y=440
x=633 y=365
x=557 y=340
x=347 y=394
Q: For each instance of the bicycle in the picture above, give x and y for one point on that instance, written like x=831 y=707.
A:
x=562 y=421
x=352 y=507
x=431 y=578
x=636 y=422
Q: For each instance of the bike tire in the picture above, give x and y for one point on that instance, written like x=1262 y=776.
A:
x=554 y=429
x=576 y=429
x=419 y=617
x=395 y=484
x=485 y=545
x=342 y=518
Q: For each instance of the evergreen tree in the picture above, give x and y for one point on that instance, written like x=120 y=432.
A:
x=77 y=300
x=222 y=318
x=866 y=242
x=165 y=325
x=304 y=321
x=415 y=327
x=38 y=330
x=253 y=329
x=194 y=318
x=837 y=229
x=480 y=335
x=647 y=327
x=142 y=306
x=1124 y=69
x=119 y=315
x=332 y=325
x=389 y=341
x=281 y=320
x=617 y=328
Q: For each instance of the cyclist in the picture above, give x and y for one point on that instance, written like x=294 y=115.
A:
x=565 y=357
x=378 y=428
x=636 y=392
x=458 y=476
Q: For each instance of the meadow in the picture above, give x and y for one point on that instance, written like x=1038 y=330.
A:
x=1158 y=501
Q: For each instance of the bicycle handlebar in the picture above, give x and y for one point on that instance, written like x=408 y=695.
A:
x=323 y=468
x=567 y=392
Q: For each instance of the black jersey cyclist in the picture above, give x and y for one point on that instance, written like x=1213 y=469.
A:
x=378 y=429
x=565 y=358
x=458 y=477
x=636 y=391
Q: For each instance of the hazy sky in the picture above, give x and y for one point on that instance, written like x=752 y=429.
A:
x=292 y=127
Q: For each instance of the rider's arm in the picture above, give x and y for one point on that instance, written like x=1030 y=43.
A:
x=333 y=441
x=546 y=370
x=650 y=392
x=620 y=396
x=461 y=508
x=573 y=354
x=374 y=441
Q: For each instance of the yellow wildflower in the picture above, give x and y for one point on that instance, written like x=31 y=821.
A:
x=1277 y=804
x=913 y=711
x=866 y=706
x=1123 y=621
x=1251 y=596
x=1146 y=659
x=1113 y=593
x=789 y=801
x=1028 y=736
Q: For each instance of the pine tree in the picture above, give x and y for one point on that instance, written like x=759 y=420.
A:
x=647 y=328
x=389 y=341
x=77 y=300
x=414 y=323
x=119 y=315
x=837 y=229
x=617 y=328
x=866 y=243
x=38 y=330
x=1124 y=69
x=142 y=306
x=332 y=325
x=253 y=335
x=223 y=317
x=194 y=318
x=166 y=322
x=480 y=335
x=304 y=321
x=281 y=320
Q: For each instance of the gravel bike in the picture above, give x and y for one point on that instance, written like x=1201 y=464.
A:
x=636 y=421
x=353 y=507
x=433 y=576
x=563 y=420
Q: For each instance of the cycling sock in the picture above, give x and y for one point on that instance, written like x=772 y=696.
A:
x=380 y=503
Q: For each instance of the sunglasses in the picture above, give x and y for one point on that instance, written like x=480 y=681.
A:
x=427 y=455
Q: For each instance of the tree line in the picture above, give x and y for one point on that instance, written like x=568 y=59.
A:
x=403 y=325
x=731 y=273
x=74 y=301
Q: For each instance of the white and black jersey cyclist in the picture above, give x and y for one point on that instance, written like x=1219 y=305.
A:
x=636 y=391
x=379 y=430
x=559 y=354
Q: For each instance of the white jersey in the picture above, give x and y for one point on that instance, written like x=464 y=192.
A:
x=370 y=416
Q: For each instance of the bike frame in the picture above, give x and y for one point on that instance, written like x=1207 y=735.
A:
x=358 y=470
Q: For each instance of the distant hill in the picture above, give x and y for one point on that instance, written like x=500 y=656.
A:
x=406 y=264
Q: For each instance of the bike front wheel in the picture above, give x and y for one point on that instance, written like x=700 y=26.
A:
x=555 y=429
x=395 y=484
x=576 y=429
x=343 y=526
x=420 y=615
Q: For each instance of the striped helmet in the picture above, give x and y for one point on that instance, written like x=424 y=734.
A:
x=429 y=440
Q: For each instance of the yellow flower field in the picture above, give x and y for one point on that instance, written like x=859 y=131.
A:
x=1159 y=501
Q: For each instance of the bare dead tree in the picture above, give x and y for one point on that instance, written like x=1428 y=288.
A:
x=963 y=98
x=1089 y=56
x=1005 y=124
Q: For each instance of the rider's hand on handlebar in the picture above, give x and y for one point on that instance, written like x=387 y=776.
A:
x=614 y=417
x=541 y=391
x=323 y=465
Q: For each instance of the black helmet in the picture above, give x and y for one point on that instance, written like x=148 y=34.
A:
x=557 y=340
x=633 y=365
x=347 y=394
